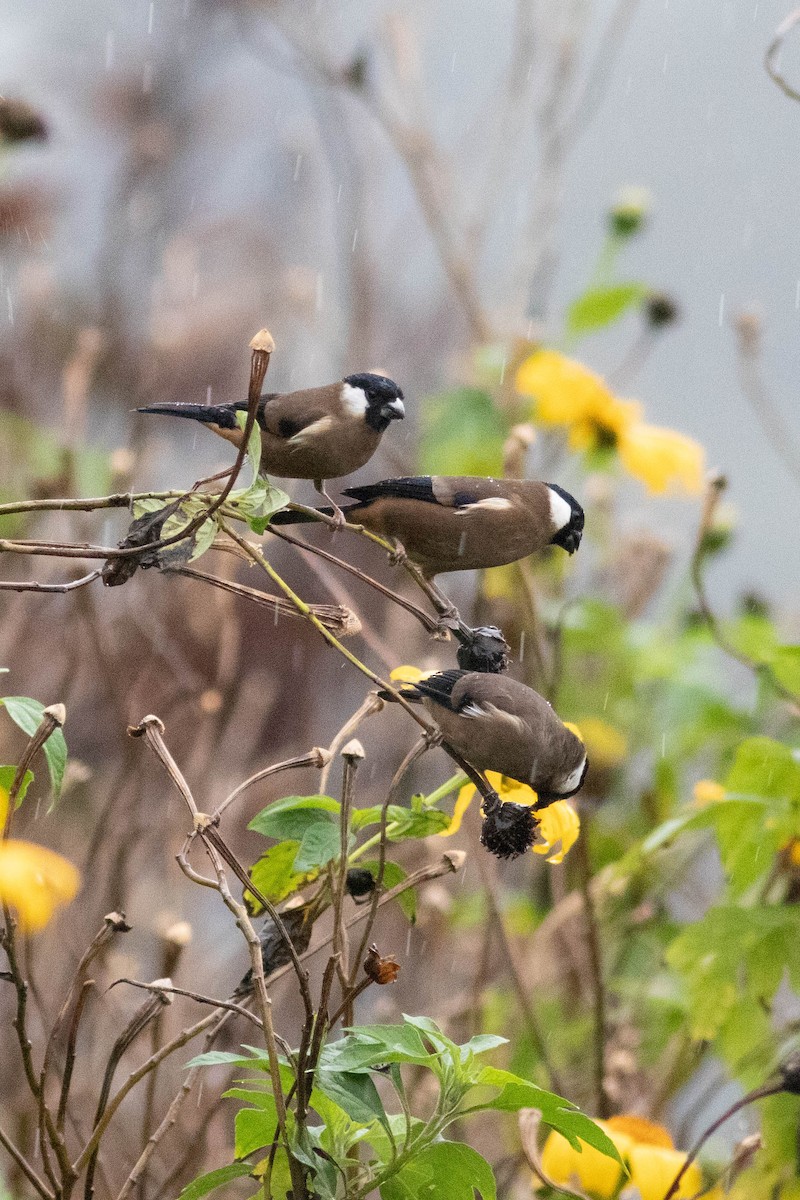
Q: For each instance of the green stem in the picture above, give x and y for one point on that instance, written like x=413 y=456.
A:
x=453 y=784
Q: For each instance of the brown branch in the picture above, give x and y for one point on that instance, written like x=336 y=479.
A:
x=212 y=1001
x=317 y=757
x=24 y=1166
x=33 y=586
x=581 y=855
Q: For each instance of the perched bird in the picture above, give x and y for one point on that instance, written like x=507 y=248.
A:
x=498 y=724
x=462 y=523
x=319 y=433
x=298 y=923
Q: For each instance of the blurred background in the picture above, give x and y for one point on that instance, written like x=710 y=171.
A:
x=416 y=188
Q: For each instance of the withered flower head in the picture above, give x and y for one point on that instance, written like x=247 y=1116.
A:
x=483 y=649
x=660 y=309
x=20 y=123
x=360 y=884
x=380 y=970
x=508 y=828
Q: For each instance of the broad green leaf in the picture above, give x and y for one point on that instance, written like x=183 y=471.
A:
x=392 y=875
x=764 y=767
x=274 y=874
x=27 y=714
x=7 y=776
x=402 y=823
x=516 y=1093
x=602 y=306
x=255 y=1128
x=213 y=1179
x=216 y=1058
x=253 y=447
x=442 y=1171
x=374 y=1045
x=291 y=816
x=354 y=1092
x=786 y=665
x=320 y=843
x=463 y=433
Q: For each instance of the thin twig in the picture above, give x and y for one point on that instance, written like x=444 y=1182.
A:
x=212 y=1001
x=773 y=53
x=317 y=757
x=602 y=1105
x=761 y=669
x=24 y=1166
x=520 y=990
x=32 y=586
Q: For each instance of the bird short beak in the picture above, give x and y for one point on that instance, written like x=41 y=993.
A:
x=394 y=410
x=572 y=541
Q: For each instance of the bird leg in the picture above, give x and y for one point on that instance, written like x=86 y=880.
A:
x=489 y=797
x=338 y=515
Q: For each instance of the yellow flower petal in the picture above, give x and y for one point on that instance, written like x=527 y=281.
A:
x=408 y=675
x=606 y=745
x=642 y=1131
x=653 y=1169
x=560 y=826
x=463 y=801
x=793 y=849
x=662 y=459
x=592 y=1171
x=3 y=806
x=708 y=791
x=34 y=881
x=569 y=394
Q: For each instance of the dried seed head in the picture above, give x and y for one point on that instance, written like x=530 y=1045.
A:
x=263 y=341
x=380 y=970
x=353 y=750
x=508 y=829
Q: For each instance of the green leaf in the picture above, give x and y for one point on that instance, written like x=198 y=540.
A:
x=764 y=767
x=291 y=816
x=7 y=776
x=354 y=1092
x=372 y=1045
x=392 y=875
x=602 y=306
x=463 y=433
x=255 y=1127
x=516 y=1093
x=213 y=1179
x=216 y=1058
x=274 y=874
x=320 y=844
x=253 y=446
x=402 y=823
x=442 y=1171
x=27 y=714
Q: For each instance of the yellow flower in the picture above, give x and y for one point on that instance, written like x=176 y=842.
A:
x=559 y=823
x=647 y=1150
x=664 y=461
x=606 y=746
x=34 y=881
x=793 y=849
x=567 y=393
x=408 y=675
x=707 y=791
x=559 y=826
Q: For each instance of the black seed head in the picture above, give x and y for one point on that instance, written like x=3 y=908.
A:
x=359 y=882
x=508 y=830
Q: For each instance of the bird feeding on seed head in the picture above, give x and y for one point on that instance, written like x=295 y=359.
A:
x=317 y=433
x=463 y=523
x=498 y=724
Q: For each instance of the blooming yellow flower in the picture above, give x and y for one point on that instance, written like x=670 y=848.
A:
x=559 y=823
x=34 y=881
x=606 y=745
x=707 y=791
x=567 y=393
x=647 y=1150
x=664 y=461
x=793 y=849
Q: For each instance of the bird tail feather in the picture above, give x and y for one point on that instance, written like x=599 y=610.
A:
x=223 y=415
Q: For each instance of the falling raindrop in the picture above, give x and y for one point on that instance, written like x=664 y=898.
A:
x=522 y=646
x=109 y=60
x=721 y=308
x=150 y=15
x=10 y=307
x=355 y=239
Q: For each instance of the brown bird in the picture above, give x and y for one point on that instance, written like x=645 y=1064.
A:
x=462 y=523
x=318 y=433
x=498 y=724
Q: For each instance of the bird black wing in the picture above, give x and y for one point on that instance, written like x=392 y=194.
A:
x=457 y=491
x=411 y=487
x=439 y=687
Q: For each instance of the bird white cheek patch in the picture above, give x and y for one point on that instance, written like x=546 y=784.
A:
x=560 y=511
x=354 y=400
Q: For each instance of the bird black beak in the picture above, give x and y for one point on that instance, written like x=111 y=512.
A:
x=572 y=541
x=393 y=411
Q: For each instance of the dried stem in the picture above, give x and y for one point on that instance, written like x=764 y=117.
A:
x=761 y=669
x=602 y=1104
x=24 y=1166
x=317 y=757
x=773 y=54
